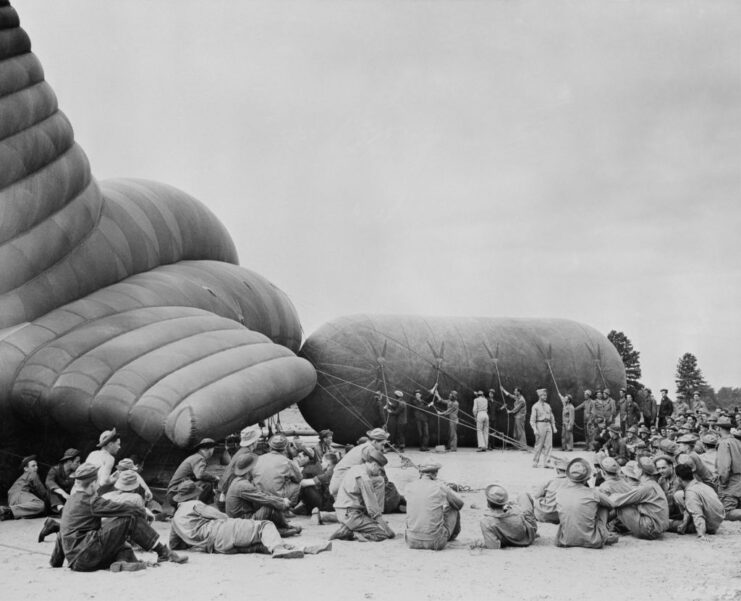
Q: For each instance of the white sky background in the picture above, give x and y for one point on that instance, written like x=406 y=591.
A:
x=523 y=159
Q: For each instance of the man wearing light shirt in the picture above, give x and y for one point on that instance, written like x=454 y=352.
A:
x=109 y=444
x=480 y=412
x=543 y=425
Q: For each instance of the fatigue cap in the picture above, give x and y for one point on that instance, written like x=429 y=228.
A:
x=647 y=466
x=308 y=451
x=325 y=434
x=609 y=465
x=126 y=464
x=186 y=491
x=632 y=470
x=87 y=471
x=127 y=481
x=633 y=429
x=688 y=439
x=724 y=422
x=496 y=494
x=205 y=443
x=578 y=470
x=106 y=437
x=398 y=394
x=709 y=440
x=429 y=468
x=244 y=463
x=377 y=434
x=69 y=454
x=278 y=442
x=26 y=460
x=669 y=460
x=371 y=454
x=669 y=447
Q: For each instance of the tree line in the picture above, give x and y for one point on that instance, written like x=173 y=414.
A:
x=687 y=376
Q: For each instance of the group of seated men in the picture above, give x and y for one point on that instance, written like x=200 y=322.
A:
x=673 y=485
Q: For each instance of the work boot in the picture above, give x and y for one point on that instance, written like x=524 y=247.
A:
x=316 y=549
x=6 y=513
x=611 y=539
x=128 y=566
x=50 y=527
x=164 y=553
x=290 y=531
x=286 y=552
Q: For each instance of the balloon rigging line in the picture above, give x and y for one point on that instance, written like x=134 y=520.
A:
x=465 y=424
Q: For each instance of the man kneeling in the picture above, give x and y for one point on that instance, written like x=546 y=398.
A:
x=359 y=503
x=204 y=528
x=433 y=511
x=508 y=524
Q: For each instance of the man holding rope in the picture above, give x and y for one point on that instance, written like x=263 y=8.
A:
x=481 y=415
x=519 y=410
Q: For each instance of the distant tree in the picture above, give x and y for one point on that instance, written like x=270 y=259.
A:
x=689 y=377
x=728 y=398
x=630 y=358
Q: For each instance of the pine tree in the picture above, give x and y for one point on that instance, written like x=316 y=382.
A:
x=689 y=377
x=630 y=358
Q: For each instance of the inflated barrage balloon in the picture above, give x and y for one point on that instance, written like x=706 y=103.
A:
x=358 y=355
x=121 y=303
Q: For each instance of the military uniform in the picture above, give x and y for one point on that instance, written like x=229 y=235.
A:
x=192 y=468
x=643 y=510
x=582 y=515
x=728 y=462
x=544 y=499
x=511 y=525
x=519 y=411
x=567 y=427
x=433 y=514
x=543 y=424
x=705 y=509
x=204 y=528
x=357 y=505
x=276 y=474
x=27 y=496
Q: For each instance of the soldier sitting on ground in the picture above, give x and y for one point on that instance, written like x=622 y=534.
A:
x=507 y=524
x=433 y=511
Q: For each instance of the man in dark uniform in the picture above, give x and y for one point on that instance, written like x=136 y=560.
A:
x=59 y=480
x=666 y=408
x=421 y=417
x=396 y=421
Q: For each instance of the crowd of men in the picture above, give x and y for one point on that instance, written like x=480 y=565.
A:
x=678 y=469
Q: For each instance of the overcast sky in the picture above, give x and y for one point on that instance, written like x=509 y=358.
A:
x=523 y=159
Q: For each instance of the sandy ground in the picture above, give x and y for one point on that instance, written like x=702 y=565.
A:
x=675 y=567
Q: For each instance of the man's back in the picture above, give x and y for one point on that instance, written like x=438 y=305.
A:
x=276 y=474
x=426 y=502
x=353 y=457
x=577 y=512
